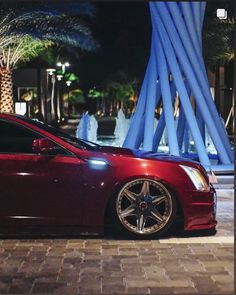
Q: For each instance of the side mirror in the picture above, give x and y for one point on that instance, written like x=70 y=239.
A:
x=43 y=146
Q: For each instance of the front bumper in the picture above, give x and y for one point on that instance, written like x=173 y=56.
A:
x=201 y=211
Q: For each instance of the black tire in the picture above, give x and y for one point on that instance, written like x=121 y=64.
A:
x=143 y=208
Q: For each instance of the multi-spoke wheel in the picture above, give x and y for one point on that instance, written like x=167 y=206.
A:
x=145 y=207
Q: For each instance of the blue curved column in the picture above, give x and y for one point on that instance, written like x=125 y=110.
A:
x=180 y=85
x=176 y=51
x=167 y=103
x=133 y=139
x=182 y=121
x=161 y=123
x=188 y=69
x=195 y=57
x=181 y=127
x=151 y=94
x=158 y=132
x=186 y=139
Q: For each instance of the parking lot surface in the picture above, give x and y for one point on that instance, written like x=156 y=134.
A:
x=175 y=265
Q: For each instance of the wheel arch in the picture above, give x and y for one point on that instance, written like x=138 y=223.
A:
x=121 y=183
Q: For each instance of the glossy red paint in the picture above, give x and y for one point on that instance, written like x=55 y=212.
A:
x=68 y=189
x=43 y=145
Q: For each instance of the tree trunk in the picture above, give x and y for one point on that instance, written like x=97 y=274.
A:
x=39 y=93
x=217 y=88
x=6 y=91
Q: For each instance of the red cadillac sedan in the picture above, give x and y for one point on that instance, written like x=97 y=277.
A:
x=49 y=178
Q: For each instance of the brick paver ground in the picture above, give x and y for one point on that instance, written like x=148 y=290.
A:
x=189 y=265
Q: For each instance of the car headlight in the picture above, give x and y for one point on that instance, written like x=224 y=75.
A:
x=196 y=177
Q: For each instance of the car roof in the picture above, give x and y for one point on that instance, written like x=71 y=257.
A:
x=10 y=115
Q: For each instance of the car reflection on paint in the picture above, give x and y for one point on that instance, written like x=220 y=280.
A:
x=49 y=178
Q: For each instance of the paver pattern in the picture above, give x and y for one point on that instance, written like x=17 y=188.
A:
x=189 y=265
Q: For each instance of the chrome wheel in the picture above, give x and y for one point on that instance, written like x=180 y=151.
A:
x=144 y=206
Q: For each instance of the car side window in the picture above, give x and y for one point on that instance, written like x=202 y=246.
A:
x=17 y=139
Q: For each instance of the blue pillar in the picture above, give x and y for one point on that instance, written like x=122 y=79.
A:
x=181 y=127
x=195 y=57
x=133 y=136
x=167 y=103
x=176 y=50
x=151 y=105
x=172 y=35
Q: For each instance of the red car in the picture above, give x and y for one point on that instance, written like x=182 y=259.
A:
x=49 y=178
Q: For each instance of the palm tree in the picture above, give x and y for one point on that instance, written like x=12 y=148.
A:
x=24 y=34
x=19 y=50
x=121 y=90
x=218 y=47
x=218 y=42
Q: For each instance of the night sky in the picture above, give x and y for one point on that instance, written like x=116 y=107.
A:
x=123 y=30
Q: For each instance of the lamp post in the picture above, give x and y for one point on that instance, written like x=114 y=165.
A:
x=63 y=66
x=59 y=76
x=50 y=71
x=59 y=111
x=68 y=83
x=50 y=98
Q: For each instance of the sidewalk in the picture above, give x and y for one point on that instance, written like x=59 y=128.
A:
x=189 y=265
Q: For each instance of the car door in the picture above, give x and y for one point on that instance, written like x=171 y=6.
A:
x=36 y=188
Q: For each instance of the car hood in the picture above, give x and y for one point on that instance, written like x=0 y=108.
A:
x=143 y=155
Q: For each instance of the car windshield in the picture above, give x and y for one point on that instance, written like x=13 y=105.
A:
x=80 y=143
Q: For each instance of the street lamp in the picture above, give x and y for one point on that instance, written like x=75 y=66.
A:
x=59 y=103
x=63 y=66
x=59 y=77
x=68 y=83
x=49 y=101
x=50 y=71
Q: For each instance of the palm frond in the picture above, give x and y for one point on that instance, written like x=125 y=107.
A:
x=26 y=33
x=43 y=25
x=218 y=42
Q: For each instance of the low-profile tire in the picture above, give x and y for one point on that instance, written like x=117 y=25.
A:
x=143 y=208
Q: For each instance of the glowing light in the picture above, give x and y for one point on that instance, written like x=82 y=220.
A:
x=63 y=65
x=221 y=13
x=196 y=177
x=24 y=217
x=23 y=174
x=59 y=77
x=98 y=162
x=21 y=108
x=50 y=71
